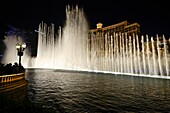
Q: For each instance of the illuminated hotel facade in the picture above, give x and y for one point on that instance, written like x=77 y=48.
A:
x=102 y=38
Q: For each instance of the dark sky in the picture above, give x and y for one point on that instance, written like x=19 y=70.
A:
x=152 y=15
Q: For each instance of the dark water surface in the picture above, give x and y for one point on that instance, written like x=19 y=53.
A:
x=75 y=92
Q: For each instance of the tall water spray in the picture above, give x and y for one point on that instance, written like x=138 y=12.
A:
x=123 y=54
x=68 y=48
x=10 y=54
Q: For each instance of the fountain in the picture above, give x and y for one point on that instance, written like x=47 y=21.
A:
x=126 y=56
x=68 y=49
x=123 y=54
x=10 y=54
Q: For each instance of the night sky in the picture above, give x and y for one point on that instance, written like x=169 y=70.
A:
x=152 y=15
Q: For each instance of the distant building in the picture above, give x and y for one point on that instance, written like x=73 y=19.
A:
x=123 y=27
x=102 y=38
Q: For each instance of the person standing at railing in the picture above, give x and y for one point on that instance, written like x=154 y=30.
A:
x=11 y=69
x=16 y=68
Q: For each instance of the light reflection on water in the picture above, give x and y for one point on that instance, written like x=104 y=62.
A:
x=51 y=91
x=90 y=92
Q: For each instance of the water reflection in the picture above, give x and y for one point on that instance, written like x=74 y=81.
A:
x=51 y=91
x=89 y=92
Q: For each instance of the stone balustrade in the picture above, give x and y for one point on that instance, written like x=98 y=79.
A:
x=12 y=77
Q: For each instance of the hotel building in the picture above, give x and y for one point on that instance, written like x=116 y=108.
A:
x=103 y=38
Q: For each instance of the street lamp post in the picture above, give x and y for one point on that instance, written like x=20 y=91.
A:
x=20 y=48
